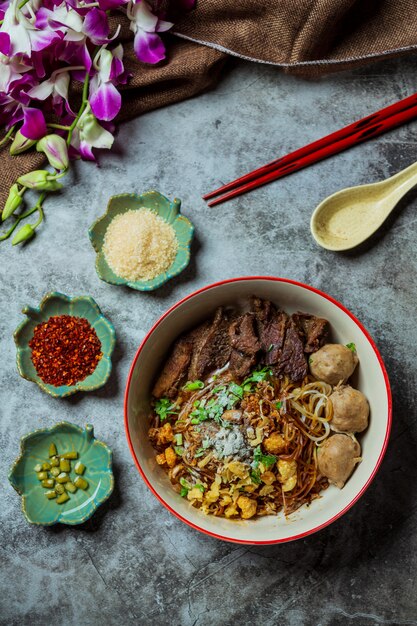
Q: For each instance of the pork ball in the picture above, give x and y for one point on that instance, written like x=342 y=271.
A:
x=333 y=363
x=337 y=458
x=350 y=410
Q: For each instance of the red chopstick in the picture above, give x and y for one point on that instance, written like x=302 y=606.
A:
x=353 y=134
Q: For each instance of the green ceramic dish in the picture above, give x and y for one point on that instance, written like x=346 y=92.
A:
x=58 y=304
x=169 y=211
x=94 y=454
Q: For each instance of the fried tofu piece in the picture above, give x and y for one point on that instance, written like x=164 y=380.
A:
x=165 y=434
x=268 y=478
x=160 y=459
x=171 y=457
x=288 y=474
x=247 y=506
x=274 y=444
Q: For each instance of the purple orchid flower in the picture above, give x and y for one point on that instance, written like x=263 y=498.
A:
x=104 y=98
x=89 y=134
x=11 y=70
x=148 y=46
x=34 y=125
x=57 y=87
x=24 y=35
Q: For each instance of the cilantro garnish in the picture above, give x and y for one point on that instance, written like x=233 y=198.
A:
x=351 y=347
x=193 y=385
x=236 y=390
x=164 y=408
x=183 y=492
x=267 y=460
x=278 y=405
x=258 y=376
x=200 y=486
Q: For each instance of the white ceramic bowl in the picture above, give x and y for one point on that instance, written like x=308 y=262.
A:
x=371 y=378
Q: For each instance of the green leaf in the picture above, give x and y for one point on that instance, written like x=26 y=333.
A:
x=236 y=390
x=184 y=492
x=278 y=405
x=267 y=460
x=351 y=347
x=193 y=385
x=258 y=376
x=200 y=486
x=164 y=408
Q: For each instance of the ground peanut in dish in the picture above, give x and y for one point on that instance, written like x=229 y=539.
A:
x=139 y=245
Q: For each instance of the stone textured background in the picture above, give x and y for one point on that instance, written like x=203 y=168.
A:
x=133 y=563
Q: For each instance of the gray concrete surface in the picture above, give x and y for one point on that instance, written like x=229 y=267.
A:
x=133 y=563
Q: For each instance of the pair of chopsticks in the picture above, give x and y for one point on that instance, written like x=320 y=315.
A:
x=367 y=128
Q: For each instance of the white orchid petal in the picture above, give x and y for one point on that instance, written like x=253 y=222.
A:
x=163 y=26
x=61 y=84
x=144 y=17
x=42 y=91
x=6 y=75
x=118 y=51
x=106 y=59
x=20 y=41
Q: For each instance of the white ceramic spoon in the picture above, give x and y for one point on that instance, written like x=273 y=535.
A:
x=348 y=217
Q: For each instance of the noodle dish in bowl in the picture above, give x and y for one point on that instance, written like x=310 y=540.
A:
x=258 y=410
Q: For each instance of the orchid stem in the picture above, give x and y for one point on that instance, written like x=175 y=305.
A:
x=81 y=109
x=7 y=135
x=59 y=126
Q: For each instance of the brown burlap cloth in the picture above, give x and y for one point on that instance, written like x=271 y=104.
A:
x=305 y=37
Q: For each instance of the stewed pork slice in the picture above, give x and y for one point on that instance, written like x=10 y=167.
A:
x=333 y=363
x=337 y=458
x=350 y=410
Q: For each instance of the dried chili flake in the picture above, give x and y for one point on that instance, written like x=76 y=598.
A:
x=65 y=350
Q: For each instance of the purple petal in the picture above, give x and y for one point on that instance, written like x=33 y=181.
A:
x=116 y=68
x=86 y=152
x=41 y=39
x=149 y=47
x=96 y=26
x=76 y=54
x=37 y=61
x=42 y=16
x=106 y=102
x=34 y=126
x=5 y=44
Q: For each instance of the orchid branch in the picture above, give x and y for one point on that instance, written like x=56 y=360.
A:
x=7 y=136
x=81 y=109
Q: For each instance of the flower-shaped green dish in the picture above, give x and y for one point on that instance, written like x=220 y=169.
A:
x=162 y=206
x=34 y=449
x=58 y=304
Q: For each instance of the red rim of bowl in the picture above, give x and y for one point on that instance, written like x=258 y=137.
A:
x=387 y=433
